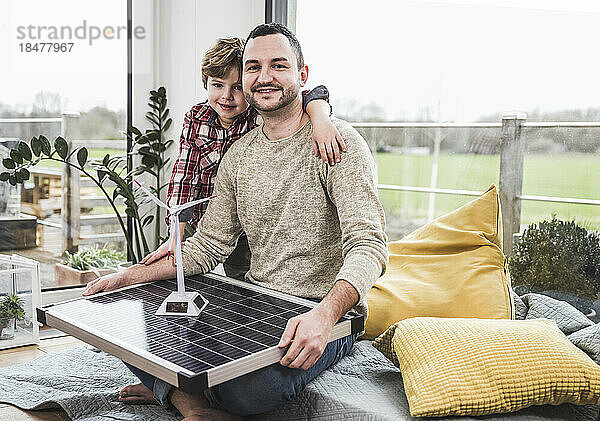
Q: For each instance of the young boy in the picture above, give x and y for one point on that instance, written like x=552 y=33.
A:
x=211 y=127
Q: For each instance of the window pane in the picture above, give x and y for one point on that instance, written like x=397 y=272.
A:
x=67 y=58
x=472 y=61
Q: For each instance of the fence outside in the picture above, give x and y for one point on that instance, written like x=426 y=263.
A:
x=512 y=152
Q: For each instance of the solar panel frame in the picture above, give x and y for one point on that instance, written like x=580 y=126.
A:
x=250 y=357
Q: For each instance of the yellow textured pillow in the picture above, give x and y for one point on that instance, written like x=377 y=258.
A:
x=451 y=267
x=479 y=367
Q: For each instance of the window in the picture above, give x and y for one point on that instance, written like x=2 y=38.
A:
x=401 y=64
x=67 y=58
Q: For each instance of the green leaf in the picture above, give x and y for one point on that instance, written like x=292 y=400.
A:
x=151 y=118
x=167 y=125
x=36 y=146
x=153 y=135
x=24 y=151
x=4 y=176
x=9 y=163
x=82 y=155
x=46 y=148
x=24 y=172
x=162 y=91
x=105 y=160
x=135 y=130
x=16 y=156
x=12 y=180
x=147 y=220
x=61 y=146
x=101 y=175
x=18 y=177
x=148 y=161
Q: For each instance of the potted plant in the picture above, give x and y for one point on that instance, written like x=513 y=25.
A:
x=86 y=265
x=150 y=146
x=11 y=310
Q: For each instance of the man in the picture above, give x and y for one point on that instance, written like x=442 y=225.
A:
x=314 y=231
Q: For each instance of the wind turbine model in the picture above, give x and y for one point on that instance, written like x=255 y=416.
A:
x=178 y=303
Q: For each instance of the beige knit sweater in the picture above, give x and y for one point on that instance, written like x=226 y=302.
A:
x=308 y=224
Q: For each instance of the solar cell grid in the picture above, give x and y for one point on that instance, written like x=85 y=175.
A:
x=239 y=322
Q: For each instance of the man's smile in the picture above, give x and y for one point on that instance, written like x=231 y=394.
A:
x=266 y=89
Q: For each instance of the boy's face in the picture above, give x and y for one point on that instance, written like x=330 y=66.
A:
x=225 y=96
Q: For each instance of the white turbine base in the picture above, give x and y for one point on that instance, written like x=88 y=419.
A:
x=182 y=304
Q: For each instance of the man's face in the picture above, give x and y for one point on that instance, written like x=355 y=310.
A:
x=271 y=78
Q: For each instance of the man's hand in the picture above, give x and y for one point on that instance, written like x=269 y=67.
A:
x=309 y=335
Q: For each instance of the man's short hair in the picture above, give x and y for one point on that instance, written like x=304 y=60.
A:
x=277 y=28
x=222 y=57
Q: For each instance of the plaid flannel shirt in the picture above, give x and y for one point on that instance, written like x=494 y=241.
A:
x=202 y=144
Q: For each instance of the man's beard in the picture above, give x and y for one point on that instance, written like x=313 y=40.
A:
x=287 y=97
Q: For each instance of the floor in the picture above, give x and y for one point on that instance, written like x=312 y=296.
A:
x=26 y=353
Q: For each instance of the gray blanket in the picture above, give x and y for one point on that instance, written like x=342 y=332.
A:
x=363 y=385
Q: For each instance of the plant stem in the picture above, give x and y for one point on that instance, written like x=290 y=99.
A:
x=157 y=217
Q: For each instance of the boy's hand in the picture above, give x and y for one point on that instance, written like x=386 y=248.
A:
x=160 y=252
x=163 y=249
x=107 y=283
x=327 y=140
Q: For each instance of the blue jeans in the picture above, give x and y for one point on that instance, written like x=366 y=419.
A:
x=262 y=390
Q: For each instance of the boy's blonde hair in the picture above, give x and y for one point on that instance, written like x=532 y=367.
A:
x=225 y=55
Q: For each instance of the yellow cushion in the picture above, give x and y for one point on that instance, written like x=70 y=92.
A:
x=479 y=367
x=451 y=267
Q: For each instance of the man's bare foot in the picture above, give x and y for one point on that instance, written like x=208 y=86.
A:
x=197 y=408
x=137 y=394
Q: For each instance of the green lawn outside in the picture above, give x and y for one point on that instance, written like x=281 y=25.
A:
x=566 y=175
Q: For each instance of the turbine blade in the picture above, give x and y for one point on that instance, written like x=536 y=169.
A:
x=151 y=196
x=179 y=208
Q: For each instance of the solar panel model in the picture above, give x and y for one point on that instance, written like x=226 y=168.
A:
x=236 y=333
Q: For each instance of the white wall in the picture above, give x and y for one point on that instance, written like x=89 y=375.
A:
x=178 y=33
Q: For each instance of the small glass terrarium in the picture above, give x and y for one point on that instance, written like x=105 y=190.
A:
x=19 y=297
